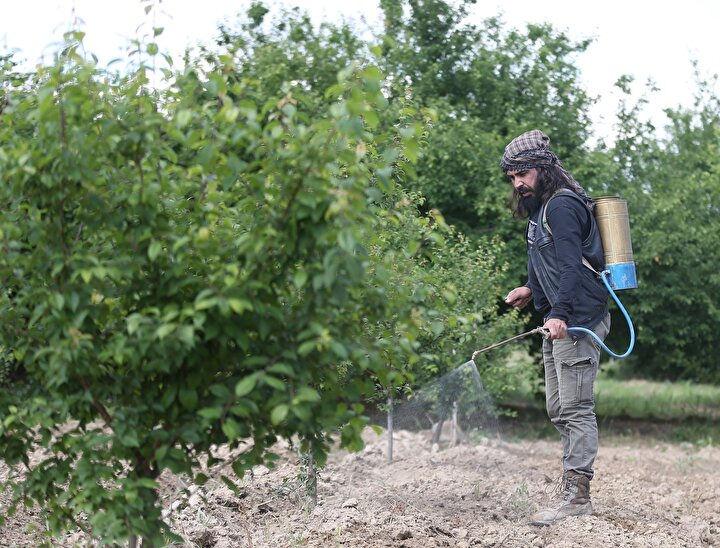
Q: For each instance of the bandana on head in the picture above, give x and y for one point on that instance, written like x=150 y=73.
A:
x=529 y=150
x=532 y=150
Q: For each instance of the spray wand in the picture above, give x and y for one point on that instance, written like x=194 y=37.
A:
x=605 y=276
x=545 y=334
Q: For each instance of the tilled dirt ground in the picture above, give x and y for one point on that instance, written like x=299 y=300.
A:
x=470 y=495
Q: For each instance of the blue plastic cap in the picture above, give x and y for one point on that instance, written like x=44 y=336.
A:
x=622 y=276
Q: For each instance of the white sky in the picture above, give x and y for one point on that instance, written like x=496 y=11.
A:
x=650 y=40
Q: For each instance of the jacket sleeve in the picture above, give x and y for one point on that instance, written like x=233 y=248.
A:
x=567 y=220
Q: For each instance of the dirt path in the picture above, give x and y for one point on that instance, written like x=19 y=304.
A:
x=660 y=495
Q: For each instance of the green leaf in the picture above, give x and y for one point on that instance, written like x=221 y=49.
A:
x=168 y=397
x=450 y=296
x=161 y=452
x=274 y=382
x=305 y=348
x=164 y=330
x=303 y=412
x=307 y=394
x=245 y=386
x=281 y=369
x=147 y=483
x=188 y=397
x=130 y=439
x=204 y=304
x=240 y=305
x=231 y=428
x=154 y=250
x=371 y=119
x=210 y=413
x=133 y=323
x=437 y=328
x=300 y=278
x=186 y=334
x=183 y=117
x=339 y=350
x=220 y=390
x=230 y=484
x=279 y=413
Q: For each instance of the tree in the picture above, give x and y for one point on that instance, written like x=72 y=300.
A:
x=673 y=190
x=488 y=84
x=183 y=268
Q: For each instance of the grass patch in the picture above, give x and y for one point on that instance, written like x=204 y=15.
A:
x=631 y=398
x=658 y=411
x=533 y=424
x=649 y=400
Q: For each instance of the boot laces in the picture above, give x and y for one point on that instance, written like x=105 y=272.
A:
x=559 y=488
x=572 y=487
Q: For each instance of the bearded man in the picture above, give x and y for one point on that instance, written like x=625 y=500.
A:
x=564 y=255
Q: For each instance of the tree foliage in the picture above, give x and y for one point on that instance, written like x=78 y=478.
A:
x=183 y=268
x=673 y=188
x=230 y=258
x=488 y=84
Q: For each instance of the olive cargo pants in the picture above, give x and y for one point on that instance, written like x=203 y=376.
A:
x=570 y=370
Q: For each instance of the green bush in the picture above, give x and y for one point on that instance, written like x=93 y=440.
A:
x=225 y=259
x=183 y=268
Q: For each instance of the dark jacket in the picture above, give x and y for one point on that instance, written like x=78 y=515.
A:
x=560 y=235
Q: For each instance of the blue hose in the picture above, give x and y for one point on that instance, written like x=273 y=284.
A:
x=604 y=275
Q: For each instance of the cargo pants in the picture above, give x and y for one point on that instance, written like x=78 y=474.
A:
x=570 y=371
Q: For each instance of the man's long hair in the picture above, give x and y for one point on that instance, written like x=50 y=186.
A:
x=550 y=179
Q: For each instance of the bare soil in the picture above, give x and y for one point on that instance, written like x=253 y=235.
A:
x=469 y=495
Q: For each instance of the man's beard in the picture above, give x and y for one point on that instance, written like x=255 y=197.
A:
x=530 y=202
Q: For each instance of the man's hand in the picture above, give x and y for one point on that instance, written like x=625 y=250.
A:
x=557 y=328
x=519 y=297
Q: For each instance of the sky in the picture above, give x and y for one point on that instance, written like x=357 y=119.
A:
x=651 y=40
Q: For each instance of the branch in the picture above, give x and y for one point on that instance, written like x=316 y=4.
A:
x=63 y=121
x=99 y=407
x=140 y=460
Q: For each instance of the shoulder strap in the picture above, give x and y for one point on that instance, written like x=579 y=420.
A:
x=546 y=226
x=564 y=192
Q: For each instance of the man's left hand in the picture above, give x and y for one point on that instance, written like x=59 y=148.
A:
x=557 y=328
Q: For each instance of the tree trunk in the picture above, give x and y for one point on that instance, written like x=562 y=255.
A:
x=150 y=498
x=390 y=427
x=437 y=431
x=457 y=433
x=309 y=479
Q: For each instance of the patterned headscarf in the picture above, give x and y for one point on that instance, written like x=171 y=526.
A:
x=532 y=150
x=529 y=150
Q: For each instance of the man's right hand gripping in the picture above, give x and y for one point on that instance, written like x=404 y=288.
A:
x=519 y=297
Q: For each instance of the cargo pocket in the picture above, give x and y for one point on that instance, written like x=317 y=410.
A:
x=578 y=379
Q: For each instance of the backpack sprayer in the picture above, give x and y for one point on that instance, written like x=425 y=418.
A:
x=611 y=214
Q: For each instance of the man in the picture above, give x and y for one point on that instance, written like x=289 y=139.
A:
x=564 y=255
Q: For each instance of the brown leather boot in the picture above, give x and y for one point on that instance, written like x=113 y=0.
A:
x=575 y=501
